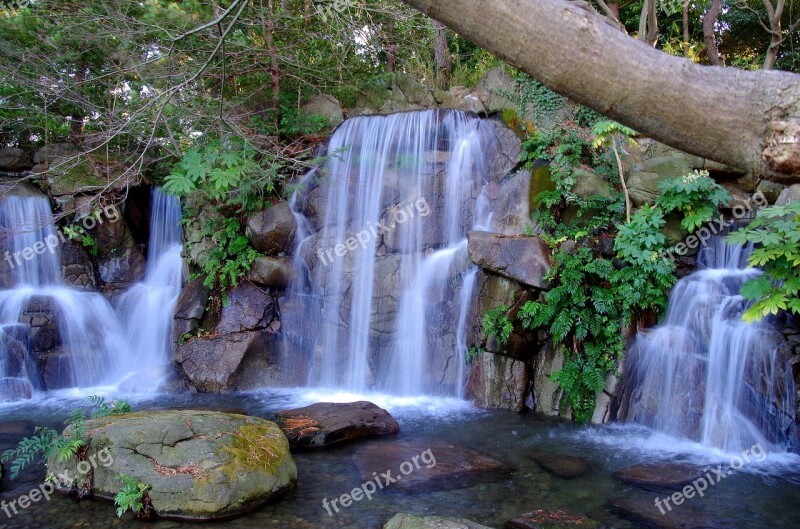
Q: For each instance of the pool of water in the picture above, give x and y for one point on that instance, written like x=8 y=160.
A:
x=763 y=494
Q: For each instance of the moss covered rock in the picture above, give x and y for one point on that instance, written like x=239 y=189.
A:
x=200 y=465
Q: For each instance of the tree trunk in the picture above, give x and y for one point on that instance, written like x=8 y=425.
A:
x=775 y=32
x=441 y=52
x=709 y=37
x=648 y=23
x=745 y=119
x=274 y=66
x=686 y=37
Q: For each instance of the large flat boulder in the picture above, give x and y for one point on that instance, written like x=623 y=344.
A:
x=424 y=466
x=409 y=521
x=523 y=259
x=327 y=423
x=199 y=465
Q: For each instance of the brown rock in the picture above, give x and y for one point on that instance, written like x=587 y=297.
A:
x=326 y=423
x=661 y=476
x=439 y=465
x=566 y=467
x=646 y=512
x=523 y=259
x=551 y=519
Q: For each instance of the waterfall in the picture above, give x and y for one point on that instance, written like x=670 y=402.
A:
x=146 y=309
x=383 y=264
x=38 y=307
x=704 y=373
x=53 y=336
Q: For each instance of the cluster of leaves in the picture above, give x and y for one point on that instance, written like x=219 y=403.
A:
x=776 y=232
x=497 y=323
x=695 y=195
x=48 y=443
x=229 y=258
x=133 y=496
x=78 y=234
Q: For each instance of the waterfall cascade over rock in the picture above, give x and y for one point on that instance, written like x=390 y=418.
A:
x=54 y=336
x=385 y=280
x=704 y=373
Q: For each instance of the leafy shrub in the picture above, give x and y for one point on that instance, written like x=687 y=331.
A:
x=133 y=497
x=695 y=195
x=776 y=231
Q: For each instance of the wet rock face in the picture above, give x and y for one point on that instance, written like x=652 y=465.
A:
x=326 y=423
x=199 y=465
x=249 y=308
x=14 y=160
x=190 y=309
x=427 y=466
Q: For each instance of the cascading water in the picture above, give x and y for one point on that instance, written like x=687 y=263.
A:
x=89 y=346
x=90 y=337
x=707 y=375
x=387 y=268
x=146 y=309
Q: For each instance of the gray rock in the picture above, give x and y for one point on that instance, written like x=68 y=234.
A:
x=496 y=85
x=646 y=513
x=770 y=190
x=643 y=178
x=523 y=259
x=48 y=153
x=214 y=364
x=199 y=465
x=324 y=105
x=249 y=308
x=498 y=382
x=409 y=521
x=513 y=207
x=272 y=272
x=191 y=308
x=788 y=195
x=566 y=467
x=271 y=231
x=588 y=184
x=14 y=159
x=326 y=423
x=502 y=150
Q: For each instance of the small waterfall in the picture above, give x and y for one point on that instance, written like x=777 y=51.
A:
x=706 y=375
x=384 y=262
x=147 y=308
x=89 y=337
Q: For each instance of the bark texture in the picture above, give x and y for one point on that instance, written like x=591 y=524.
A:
x=741 y=118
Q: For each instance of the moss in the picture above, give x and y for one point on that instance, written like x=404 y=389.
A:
x=521 y=127
x=256 y=448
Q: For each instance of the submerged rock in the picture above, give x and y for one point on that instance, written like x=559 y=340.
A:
x=566 y=467
x=327 y=423
x=409 y=521
x=421 y=466
x=551 y=519
x=645 y=512
x=660 y=476
x=199 y=465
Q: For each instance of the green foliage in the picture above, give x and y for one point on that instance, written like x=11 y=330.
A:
x=696 y=195
x=473 y=353
x=131 y=496
x=229 y=259
x=604 y=132
x=78 y=234
x=496 y=323
x=48 y=443
x=776 y=232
